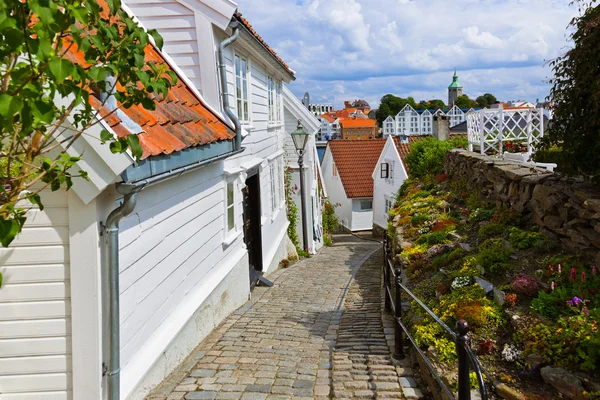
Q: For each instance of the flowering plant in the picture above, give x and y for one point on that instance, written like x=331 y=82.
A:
x=525 y=284
x=460 y=281
x=510 y=353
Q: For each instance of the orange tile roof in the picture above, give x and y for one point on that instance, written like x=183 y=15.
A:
x=179 y=121
x=358 y=123
x=248 y=26
x=328 y=118
x=355 y=161
x=403 y=148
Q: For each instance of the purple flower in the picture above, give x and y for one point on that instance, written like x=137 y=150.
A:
x=574 y=300
x=585 y=311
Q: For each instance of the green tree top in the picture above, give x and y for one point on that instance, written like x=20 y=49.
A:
x=41 y=90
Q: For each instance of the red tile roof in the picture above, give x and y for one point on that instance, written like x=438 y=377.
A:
x=355 y=161
x=358 y=123
x=248 y=26
x=180 y=120
x=403 y=149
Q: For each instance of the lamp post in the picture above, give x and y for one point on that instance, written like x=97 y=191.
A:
x=300 y=138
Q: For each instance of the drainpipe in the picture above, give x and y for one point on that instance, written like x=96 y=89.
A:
x=111 y=228
x=112 y=258
x=235 y=25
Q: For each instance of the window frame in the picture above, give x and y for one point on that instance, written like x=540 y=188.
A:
x=230 y=233
x=384 y=170
x=365 y=201
x=244 y=115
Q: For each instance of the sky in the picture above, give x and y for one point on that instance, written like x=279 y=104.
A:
x=350 y=49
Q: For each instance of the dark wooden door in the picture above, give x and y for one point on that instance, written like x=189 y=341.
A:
x=252 y=231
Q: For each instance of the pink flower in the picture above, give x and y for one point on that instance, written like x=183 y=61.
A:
x=573 y=273
x=559 y=268
x=594 y=270
x=583 y=277
x=552 y=285
x=585 y=311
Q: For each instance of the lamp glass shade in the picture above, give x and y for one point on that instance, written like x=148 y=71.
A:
x=300 y=137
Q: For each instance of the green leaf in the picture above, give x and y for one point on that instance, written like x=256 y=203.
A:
x=9 y=105
x=115 y=147
x=35 y=199
x=43 y=111
x=97 y=73
x=148 y=104
x=9 y=229
x=0 y=280
x=60 y=68
x=105 y=136
x=136 y=148
x=157 y=38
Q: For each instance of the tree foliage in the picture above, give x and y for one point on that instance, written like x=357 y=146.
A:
x=486 y=100
x=391 y=105
x=463 y=101
x=45 y=97
x=427 y=156
x=573 y=140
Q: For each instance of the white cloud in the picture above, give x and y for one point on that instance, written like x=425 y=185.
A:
x=368 y=48
x=484 y=40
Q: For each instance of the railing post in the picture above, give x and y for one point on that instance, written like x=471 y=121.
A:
x=398 y=343
x=462 y=340
x=386 y=275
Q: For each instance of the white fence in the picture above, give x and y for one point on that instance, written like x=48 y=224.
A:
x=489 y=129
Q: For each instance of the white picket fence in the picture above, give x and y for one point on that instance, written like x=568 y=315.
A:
x=489 y=129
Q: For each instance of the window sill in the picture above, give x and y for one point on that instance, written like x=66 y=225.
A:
x=275 y=213
x=274 y=125
x=248 y=126
x=230 y=238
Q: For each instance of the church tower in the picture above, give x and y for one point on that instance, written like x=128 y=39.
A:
x=454 y=90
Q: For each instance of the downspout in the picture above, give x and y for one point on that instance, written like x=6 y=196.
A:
x=112 y=258
x=223 y=72
x=111 y=228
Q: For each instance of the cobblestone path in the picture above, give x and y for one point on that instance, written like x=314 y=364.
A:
x=298 y=340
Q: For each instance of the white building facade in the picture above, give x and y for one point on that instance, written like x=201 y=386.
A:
x=389 y=174
x=411 y=122
x=187 y=253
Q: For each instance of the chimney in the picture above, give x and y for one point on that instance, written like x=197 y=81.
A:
x=347 y=104
x=441 y=127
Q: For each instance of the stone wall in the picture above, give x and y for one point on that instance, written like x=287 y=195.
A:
x=567 y=210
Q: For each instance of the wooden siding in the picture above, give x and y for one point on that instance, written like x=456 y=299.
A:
x=35 y=324
x=177 y=25
x=168 y=246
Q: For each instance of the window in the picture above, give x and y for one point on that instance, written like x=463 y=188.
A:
x=274 y=99
x=230 y=212
x=385 y=170
x=389 y=204
x=241 y=88
x=276 y=185
x=366 y=205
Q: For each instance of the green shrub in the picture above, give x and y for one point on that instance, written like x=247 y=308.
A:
x=481 y=214
x=331 y=222
x=449 y=258
x=521 y=239
x=403 y=191
x=493 y=255
x=432 y=238
x=427 y=156
x=419 y=219
x=492 y=230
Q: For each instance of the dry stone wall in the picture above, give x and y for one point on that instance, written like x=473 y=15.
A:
x=568 y=210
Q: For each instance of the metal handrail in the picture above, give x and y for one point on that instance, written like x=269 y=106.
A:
x=461 y=336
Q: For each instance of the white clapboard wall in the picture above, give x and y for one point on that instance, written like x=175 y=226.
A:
x=35 y=323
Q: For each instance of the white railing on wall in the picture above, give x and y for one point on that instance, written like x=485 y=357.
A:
x=489 y=129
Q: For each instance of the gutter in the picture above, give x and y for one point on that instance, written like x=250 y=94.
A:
x=111 y=228
x=223 y=72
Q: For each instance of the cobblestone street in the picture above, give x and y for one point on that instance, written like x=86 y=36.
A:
x=317 y=334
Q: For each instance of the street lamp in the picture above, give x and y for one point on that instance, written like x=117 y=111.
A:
x=300 y=138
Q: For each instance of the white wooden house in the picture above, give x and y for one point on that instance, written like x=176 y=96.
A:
x=347 y=168
x=456 y=115
x=295 y=111
x=389 y=174
x=389 y=126
x=201 y=218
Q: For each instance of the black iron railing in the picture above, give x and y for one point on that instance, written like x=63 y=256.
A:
x=466 y=357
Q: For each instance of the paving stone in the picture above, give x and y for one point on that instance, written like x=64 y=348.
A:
x=407 y=382
x=203 y=373
x=412 y=393
x=201 y=396
x=306 y=338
